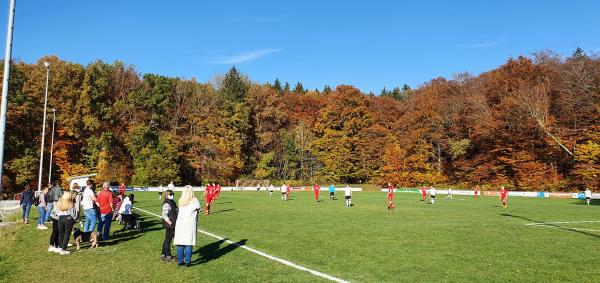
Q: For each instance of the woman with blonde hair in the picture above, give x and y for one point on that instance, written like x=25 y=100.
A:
x=66 y=217
x=185 y=230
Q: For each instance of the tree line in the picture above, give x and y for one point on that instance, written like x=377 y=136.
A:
x=532 y=123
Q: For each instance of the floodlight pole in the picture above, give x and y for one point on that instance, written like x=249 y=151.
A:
x=47 y=64
x=52 y=145
x=7 y=57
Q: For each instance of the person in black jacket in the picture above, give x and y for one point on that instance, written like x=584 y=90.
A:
x=26 y=202
x=169 y=218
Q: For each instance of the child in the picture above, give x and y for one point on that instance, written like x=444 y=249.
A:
x=271 y=189
x=588 y=196
x=331 y=192
x=283 y=192
x=432 y=192
x=289 y=191
x=348 y=196
x=390 y=196
x=503 y=196
x=316 y=190
x=476 y=193
x=449 y=196
x=423 y=193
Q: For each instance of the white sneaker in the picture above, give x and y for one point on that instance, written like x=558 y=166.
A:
x=69 y=245
x=57 y=250
x=42 y=227
x=51 y=248
x=62 y=252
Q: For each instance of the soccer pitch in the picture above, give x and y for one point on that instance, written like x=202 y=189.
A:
x=457 y=240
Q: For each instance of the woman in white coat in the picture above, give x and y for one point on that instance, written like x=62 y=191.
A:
x=185 y=229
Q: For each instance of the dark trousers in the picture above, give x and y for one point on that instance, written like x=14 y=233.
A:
x=166 y=247
x=65 y=225
x=54 y=234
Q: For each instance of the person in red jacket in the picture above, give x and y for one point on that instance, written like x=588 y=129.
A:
x=289 y=191
x=423 y=193
x=476 y=193
x=390 y=196
x=503 y=196
x=316 y=191
x=105 y=203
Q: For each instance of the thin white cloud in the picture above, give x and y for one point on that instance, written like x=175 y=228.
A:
x=484 y=44
x=247 y=56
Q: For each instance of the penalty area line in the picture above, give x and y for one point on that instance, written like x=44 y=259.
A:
x=280 y=260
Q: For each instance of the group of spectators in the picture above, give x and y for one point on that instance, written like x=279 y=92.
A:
x=63 y=210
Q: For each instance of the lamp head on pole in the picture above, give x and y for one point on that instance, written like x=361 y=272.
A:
x=47 y=64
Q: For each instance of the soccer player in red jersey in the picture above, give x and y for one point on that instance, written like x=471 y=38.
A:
x=423 y=193
x=218 y=190
x=390 y=196
x=476 y=194
x=316 y=191
x=207 y=194
x=289 y=191
x=503 y=196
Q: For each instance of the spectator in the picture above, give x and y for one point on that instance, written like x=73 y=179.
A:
x=54 y=242
x=105 y=199
x=66 y=217
x=169 y=219
x=125 y=210
x=185 y=230
x=26 y=202
x=88 y=201
x=41 y=196
x=77 y=197
x=117 y=200
x=53 y=196
x=122 y=188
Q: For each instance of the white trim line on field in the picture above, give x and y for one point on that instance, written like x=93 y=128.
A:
x=282 y=261
x=561 y=222
x=567 y=228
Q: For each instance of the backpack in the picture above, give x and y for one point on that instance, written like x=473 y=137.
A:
x=36 y=200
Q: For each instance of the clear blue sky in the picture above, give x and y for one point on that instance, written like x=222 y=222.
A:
x=370 y=44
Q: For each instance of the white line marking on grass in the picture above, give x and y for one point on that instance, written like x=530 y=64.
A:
x=561 y=222
x=567 y=228
x=282 y=261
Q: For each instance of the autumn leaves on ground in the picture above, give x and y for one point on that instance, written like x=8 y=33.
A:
x=532 y=124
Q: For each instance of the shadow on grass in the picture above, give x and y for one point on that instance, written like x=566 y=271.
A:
x=214 y=251
x=123 y=235
x=224 y=210
x=552 y=225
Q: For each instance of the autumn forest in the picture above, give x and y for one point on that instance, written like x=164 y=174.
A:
x=533 y=123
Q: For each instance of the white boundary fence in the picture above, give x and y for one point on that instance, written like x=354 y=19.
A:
x=510 y=193
x=245 y=189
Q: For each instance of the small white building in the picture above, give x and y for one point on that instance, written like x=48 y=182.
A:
x=80 y=180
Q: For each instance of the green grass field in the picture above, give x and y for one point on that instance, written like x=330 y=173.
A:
x=454 y=240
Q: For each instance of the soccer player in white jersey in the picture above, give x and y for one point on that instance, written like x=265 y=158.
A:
x=284 y=192
x=271 y=188
x=449 y=193
x=588 y=196
x=348 y=196
x=432 y=192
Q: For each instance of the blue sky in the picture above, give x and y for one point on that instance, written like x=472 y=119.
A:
x=369 y=44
